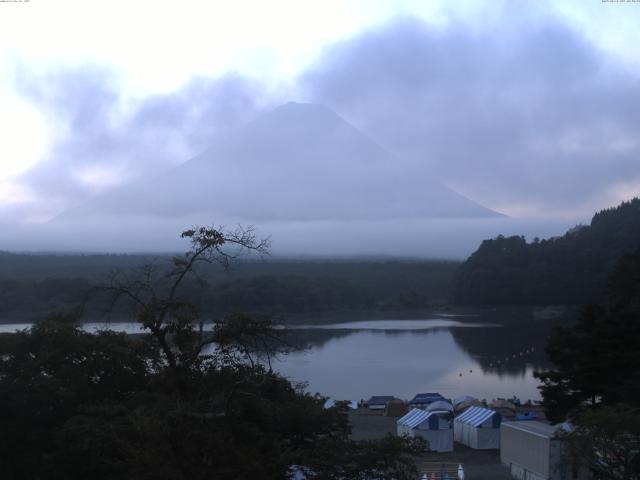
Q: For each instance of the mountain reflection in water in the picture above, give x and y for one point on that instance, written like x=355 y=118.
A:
x=355 y=360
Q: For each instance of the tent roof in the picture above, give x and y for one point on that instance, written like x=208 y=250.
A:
x=414 y=418
x=330 y=403
x=476 y=416
x=469 y=403
x=463 y=398
x=426 y=398
x=440 y=405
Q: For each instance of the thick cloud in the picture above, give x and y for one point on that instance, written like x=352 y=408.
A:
x=103 y=139
x=523 y=117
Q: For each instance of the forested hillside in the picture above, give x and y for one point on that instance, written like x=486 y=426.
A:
x=572 y=269
x=33 y=285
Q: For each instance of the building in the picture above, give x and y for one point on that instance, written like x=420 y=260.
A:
x=478 y=428
x=532 y=451
x=422 y=400
x=378 y=402
x=435 y=427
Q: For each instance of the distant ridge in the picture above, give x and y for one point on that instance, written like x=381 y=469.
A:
x=298 y=162
x=571 y=269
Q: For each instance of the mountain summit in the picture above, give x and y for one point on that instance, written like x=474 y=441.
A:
x=298 y=162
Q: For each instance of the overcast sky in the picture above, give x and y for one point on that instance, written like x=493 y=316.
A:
x=529 y=108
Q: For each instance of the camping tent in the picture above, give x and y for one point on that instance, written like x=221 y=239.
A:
x=478 y=428
x=462 y=406
x=464 y=398
x=440 y=406
x=434 y=427
x=351 y=404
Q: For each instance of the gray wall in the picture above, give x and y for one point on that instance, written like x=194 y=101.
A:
x=526 y=451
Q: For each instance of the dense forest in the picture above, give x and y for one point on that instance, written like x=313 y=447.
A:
x=571 y=269
x=594 y=380
x=174 y=402
x=33 y=285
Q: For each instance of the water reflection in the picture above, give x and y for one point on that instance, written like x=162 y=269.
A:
x=488 y=354
x=357 y=359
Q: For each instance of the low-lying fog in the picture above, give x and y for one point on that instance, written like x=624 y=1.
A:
x=425 y=238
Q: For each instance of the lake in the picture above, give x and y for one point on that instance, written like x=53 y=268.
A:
x=487 y=355
x=354 y=360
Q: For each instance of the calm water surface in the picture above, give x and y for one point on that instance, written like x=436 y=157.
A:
x=453 y=355
x=355 y=360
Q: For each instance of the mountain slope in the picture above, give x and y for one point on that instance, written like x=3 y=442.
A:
x=298 y=162
x=572 y=269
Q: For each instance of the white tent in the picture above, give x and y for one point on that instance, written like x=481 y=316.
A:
x=464 y=398
x=330 y=403
x=440 y=406
x=478 y=428
x=434 y=427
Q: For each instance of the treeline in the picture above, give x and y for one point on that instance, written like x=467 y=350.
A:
x=33 y=285
x=572 y=269
x=594 y=381
x=174 y=402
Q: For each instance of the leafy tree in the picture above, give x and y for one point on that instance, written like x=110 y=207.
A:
x=176 y=402
x=570 y=269
x=608 y=442
x=596 y=379
x=596 y=362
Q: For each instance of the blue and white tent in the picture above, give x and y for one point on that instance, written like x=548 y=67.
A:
x=435 y=427
x=478 y=428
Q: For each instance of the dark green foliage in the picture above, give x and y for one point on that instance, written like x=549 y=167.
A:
x=33 y=285
x=608 y=443
x=348 y=460
x=624 y=284
x=48 y=375
x=25 y=300
x=175 y=403
x=596 y=379
x=596 y=362
x=572 y=269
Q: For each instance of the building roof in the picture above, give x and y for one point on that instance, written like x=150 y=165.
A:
x=379 y=400
x=476 y=416
x=535 y=428
x=426 y=398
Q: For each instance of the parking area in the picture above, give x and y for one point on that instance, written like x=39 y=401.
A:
x=478 y=464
